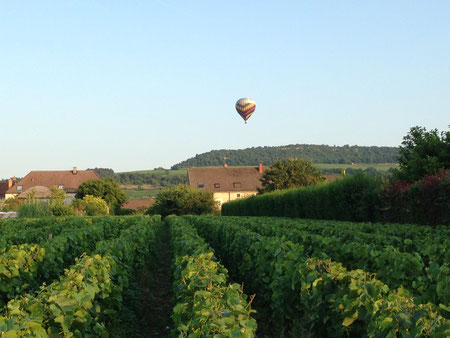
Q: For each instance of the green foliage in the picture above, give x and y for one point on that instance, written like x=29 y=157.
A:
x=156 y=178
x=34 y=209
x=206 y=305
x=12 y=204
x=183 y=199
x=103 y=172
x=85 y=299
x=57 y=196
x=423 y=152
x=354 y=198
x=316 y=153
x=62 y=210
x=107 y=189
x=91 y=206
x=300 y=296
x=420 y=262
x=290 y=173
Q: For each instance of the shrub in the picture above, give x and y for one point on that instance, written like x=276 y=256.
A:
x=91 y=206
x=62 y=210
x=182 y=200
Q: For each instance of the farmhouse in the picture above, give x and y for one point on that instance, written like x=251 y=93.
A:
x=40 y=183
x=227 y=183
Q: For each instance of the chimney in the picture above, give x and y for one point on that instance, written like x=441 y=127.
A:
x=225 y=165
x=74 y=171
x=10 y=183
x=260 y=168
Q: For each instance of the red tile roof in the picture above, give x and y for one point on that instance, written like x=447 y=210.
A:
x=138 y=203
x=70 y=180
x=3 y=188
x=225 y=179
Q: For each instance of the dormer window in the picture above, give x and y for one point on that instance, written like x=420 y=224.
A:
x=61 y=187
x=236 y=184
x=217 y=185
x=19 y=187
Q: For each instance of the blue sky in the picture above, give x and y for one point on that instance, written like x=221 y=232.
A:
x=135 y=85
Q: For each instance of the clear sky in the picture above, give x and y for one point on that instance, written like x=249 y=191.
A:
x=134 y=85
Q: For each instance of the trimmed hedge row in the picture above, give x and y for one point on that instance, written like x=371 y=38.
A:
x=303 y=296
x=206 y=304
x=355 y=198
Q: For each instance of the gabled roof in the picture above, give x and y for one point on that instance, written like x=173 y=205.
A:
x=70 y=179
x=225 y=179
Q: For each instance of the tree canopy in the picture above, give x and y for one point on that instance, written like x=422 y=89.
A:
x=290 y=173
x=268 y=155
x=423 y=152
x=107 y=189
x=183 y=199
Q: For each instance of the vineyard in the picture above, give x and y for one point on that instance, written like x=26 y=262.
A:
x=203 y=276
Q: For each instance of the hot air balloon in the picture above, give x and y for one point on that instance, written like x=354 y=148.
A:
x=245 y=107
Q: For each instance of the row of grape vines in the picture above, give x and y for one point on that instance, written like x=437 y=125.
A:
x=72 y=276
x=78 y=276
x=302 y=289
x=422 y=269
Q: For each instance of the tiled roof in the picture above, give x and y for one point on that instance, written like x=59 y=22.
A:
x=3 y=188
x=67 y=178
x=138 y=203
x=37 y=192
x=225 y=179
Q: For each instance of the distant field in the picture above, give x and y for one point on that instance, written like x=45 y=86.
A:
x=140 y=194
x=378 y=166
x=158 y=171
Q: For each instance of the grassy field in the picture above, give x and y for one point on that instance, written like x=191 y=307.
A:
x=158 y=171
x=378 y=166
x=140 y=194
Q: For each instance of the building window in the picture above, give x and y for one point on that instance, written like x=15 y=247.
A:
x=216 y=185
x=201 y=185
x=236 y=184
x=61 y=187
x=238 y=195
x=19 y=187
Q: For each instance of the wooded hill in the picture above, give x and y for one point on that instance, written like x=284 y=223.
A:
x=316 y=153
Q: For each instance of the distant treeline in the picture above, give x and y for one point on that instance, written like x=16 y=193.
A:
x=157 y=180
x=316 y=153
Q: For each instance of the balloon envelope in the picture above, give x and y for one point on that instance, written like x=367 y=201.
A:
x=245 y=107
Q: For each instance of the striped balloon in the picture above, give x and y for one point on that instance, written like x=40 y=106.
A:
x=245 y=108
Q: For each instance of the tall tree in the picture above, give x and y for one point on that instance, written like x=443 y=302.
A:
x=423 y=152
x=290 y=173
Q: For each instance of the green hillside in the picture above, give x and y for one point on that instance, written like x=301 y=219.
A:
x=316 y=153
